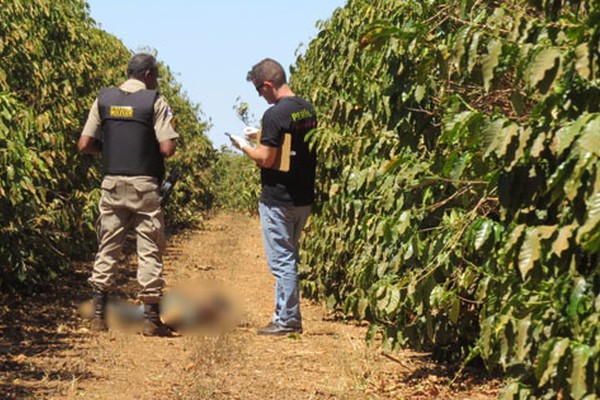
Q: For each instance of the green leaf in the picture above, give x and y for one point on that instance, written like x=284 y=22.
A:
x=538 y=145
x=577 y=296
x=522 y=342
x=473 y=49
x=544 y=61
x=383 y=301
x=566 y=135
x=589 y=142
x=518 y=102
x=420 y=92
x=460 y=48
x=496 y=137
x=363 y=304
x=514 y=238
x=561 y=243
x=483 y=233
x=459 y=165
x=523 y=145
x=490 y=61
x=379 y=33
x=436 y=297
x=331 y=302
x=489 y=136
x=371 y=333
x=578 y=380
x=582 y=65
x=506 y=345
x=382 y=268
x=392 y=306
x=457 y=121
x=554 y=356
x=530 y=252
x=545 y=232
x=403 y=222
x=485 y=337
x=454 y=310
x=557 y=181
x=592 y=215
x=575 y=181
x=510 y=391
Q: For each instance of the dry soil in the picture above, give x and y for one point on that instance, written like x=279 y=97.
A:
x=48 y=352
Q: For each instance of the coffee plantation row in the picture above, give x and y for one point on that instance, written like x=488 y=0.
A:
x=460 y=183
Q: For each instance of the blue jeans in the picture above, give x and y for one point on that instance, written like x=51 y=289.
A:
x=281 y=226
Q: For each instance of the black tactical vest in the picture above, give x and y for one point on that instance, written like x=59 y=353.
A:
x=129 y=141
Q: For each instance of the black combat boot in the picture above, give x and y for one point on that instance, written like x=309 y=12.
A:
x=153 y=326
x=98 y=323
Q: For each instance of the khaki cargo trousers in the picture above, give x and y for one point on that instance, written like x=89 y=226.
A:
x=130 y=202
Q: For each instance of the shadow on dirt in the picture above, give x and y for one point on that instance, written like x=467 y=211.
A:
x=34 y=328
x=38 y=328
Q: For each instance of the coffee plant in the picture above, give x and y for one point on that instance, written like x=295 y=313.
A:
x=236 y=181
x=235 y=177
x=459 y=179
x=53 y=61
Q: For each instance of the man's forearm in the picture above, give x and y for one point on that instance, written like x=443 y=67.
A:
x=167 y=148
x=89 y=145
x=262 y=155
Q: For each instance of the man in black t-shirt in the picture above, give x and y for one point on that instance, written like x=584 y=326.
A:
x=287 y=193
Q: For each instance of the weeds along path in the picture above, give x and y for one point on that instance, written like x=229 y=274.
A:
x=329 y=361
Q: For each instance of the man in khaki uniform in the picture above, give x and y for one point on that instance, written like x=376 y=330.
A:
x=131 y=126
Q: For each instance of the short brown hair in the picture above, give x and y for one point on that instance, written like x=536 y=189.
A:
x=267 y=70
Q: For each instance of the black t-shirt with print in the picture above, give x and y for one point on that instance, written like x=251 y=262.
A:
x=297 y=186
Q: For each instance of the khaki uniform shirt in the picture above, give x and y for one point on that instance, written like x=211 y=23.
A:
x=163 y=117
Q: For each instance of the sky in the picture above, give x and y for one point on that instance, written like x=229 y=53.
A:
x=211 y=45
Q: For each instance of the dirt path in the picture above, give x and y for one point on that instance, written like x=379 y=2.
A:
x=46 y=352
